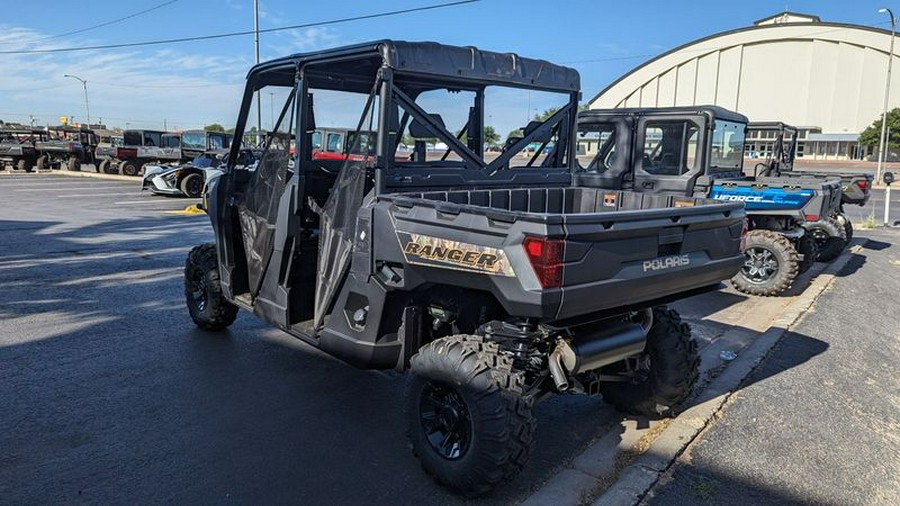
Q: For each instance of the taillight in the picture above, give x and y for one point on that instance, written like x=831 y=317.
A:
x=546 y=257
x=812 y=217
x=863 y=184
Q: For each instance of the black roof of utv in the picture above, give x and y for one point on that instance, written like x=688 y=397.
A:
x=713 y=110
x=352 y=68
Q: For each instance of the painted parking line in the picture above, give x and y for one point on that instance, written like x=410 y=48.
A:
x=64 y=188
x=81 y=195
x=170 y=202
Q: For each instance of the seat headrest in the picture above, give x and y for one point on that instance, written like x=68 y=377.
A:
x=418 y=131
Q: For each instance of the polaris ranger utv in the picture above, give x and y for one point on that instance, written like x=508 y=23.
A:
x=17 y=146
x=67 y=147
x=698 y=151
x=855 y=186
x=143 y=147
x=494 y=284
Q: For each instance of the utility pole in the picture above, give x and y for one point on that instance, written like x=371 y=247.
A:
x=87 y=105
x=882 y=147
x=256 y=46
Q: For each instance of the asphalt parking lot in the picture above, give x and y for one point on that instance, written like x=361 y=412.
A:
x=111 y=394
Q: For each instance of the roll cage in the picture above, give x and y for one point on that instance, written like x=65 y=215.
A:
x=396 y=73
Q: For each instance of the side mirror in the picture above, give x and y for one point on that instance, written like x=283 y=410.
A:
x=888 y=178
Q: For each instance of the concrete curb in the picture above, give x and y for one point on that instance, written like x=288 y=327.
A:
x=640 y=476
x=601 y=463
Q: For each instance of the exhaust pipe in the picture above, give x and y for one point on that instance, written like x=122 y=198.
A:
x=594 y=348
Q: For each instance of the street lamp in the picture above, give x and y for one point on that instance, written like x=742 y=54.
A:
x=87 y=105
x=882 y=141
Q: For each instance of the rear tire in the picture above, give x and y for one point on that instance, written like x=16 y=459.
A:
x=25 y=165
x=206 y=304
x=128 y=168
x=845 y=222
x=830 y=237
x=770 y=265
x=468 y=419
x=665 y=374
x=806 y=248
x=192 y=185
x=73 y=164
x=41 y=163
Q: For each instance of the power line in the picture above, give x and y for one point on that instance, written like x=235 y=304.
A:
x=239 y=34
x=101 y=25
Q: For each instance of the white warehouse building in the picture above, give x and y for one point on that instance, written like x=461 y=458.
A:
x=826 y=78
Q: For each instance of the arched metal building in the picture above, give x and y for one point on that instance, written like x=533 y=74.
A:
x=827 y=78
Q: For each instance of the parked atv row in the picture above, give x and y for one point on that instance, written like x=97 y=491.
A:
x=793 y=218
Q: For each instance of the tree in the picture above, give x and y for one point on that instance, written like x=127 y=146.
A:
x=871 y=136
x=491 y=137
x=214 y=127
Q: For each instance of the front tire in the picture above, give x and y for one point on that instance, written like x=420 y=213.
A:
x=661 y=377
x=830 y=236
x=206 y=304
x=41 y=163
x=468 y=419
x=770 y=264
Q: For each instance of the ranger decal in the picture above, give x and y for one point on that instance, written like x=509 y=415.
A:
x=447 y=254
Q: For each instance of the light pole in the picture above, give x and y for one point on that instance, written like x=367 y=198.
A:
x=87 y=105
x=882 y=141
x=256 y=47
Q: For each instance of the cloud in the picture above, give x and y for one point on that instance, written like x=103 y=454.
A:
x=141 y=87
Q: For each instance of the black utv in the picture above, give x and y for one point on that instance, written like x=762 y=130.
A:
x=494 y=284
x=17 y=146
x=67 y=147
x=855 y=186
x=698 y=151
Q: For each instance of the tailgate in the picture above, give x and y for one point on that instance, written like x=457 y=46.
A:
x=654 y=247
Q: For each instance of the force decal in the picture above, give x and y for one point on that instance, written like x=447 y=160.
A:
x=446 y=254
x=666 y=262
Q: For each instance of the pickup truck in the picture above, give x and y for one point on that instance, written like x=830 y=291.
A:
x=855 y=186
x=494 y=283
x=698 y=151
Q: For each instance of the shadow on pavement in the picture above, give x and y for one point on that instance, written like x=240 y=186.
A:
x=111 y=393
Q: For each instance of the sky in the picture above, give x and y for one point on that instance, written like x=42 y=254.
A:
x=188 y=85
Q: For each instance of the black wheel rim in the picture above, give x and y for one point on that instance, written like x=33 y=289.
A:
x=445 y=420
x=760 y=265
x=199 y=290
x=194 y=187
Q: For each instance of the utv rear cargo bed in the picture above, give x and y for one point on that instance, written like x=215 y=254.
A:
x=620 y=248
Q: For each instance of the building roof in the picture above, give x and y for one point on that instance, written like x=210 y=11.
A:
x=833 y=137
x=788 y=17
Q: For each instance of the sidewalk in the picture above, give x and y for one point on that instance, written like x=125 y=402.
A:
x=819 y=420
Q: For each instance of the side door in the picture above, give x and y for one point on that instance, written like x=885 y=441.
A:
x=668 y=153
